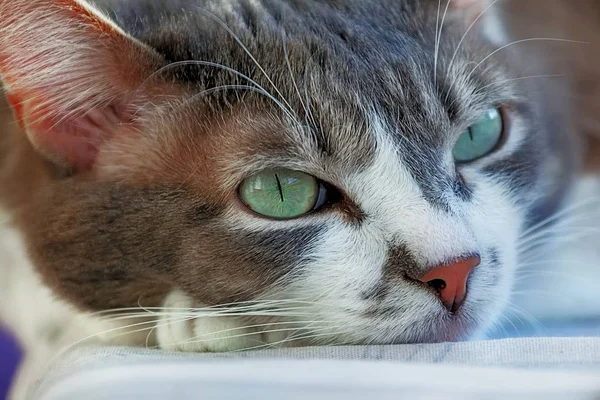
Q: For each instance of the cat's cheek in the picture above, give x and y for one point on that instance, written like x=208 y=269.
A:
x=496 y=222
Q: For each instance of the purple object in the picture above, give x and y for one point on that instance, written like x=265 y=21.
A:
x=10 y=355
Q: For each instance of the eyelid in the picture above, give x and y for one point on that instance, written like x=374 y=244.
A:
x=506 y=125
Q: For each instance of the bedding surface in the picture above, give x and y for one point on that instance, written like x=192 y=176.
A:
x=527 y=368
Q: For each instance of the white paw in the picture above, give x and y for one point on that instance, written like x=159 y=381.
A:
x=179 y=330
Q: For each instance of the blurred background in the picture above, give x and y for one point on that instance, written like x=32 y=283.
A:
x=9 y=359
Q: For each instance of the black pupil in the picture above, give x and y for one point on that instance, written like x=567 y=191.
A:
x=279 y=187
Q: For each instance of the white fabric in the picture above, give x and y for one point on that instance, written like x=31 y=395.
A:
x=525 y=368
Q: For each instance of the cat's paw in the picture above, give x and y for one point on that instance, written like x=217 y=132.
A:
x=180 y=331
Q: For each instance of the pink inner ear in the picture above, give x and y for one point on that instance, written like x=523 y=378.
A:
x=84 y=136
x=79 y=139
x=73 y=141
x=70 y=75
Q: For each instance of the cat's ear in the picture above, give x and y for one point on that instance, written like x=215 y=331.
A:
x=70 y=75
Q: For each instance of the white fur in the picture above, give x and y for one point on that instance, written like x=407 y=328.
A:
x=184 y=331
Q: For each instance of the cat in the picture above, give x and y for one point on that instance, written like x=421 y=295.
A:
x=251 y=173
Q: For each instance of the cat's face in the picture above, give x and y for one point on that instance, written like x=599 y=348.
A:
x=349 y=156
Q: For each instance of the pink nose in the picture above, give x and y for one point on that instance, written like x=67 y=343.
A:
x=450 y=281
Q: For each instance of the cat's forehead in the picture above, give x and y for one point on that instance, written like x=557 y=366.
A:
x=317 y=76
x=386 y=52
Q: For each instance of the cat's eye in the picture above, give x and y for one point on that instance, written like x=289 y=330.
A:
x=481 y=138
x=282 y=193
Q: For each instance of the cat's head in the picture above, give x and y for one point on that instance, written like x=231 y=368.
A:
x=333 y=153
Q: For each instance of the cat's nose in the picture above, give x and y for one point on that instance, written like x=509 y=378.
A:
x=450 y=281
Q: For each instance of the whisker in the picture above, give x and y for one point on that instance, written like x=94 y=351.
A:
x=504 y=317
x=109 y=331
x=285 y=341
x=435 y=45
x=247 y=51
x=550 y=261
x=228 y=69
x=540 y=275
x=148 y=336
x=217 y=311
x=216 y=314
x=511 y=317
x=468 y=76
x=499 y=328
x=242 y=335
x=522 y=78
x=255 y=327
x=132 y=316
x=289 y=67
x=513 y=314
x=544 y=233
x=224 y=87
x=438 y=40
x=556 y=240
x=307 y=97
x=462 y=39
x=531 y=320
x=534 y=293
x=554 y=234
x=562 y=213
x=224 y=306
x=519 y=42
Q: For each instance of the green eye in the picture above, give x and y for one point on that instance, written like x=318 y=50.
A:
x=480 y=139
x=282 y=193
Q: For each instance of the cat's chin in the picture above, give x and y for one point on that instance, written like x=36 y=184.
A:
x=184 y=331
x=454 y=329
x=215 y=335
x=430 y=324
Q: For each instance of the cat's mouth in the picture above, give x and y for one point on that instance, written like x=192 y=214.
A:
x=432 y=327
x=428 y=319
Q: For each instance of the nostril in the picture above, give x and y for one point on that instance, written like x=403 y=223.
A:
x=450 y=281
x=437 y=284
